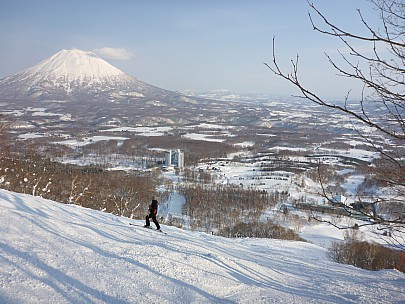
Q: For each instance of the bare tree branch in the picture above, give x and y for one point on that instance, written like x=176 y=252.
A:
x=381 y=71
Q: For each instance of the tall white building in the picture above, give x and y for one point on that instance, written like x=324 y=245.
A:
x=180 y=159
x=174 y=158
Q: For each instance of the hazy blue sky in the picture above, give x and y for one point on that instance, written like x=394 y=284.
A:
x=183 y=44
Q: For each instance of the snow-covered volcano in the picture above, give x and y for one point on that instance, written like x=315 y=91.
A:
x=75 y=65
x=72 y=73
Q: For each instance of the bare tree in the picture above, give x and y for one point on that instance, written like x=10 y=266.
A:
x=381 y=72
x=4 y=124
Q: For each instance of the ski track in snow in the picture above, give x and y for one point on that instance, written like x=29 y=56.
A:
x=55 y=253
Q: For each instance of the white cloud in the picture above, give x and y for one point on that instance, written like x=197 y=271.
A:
x=114 y=53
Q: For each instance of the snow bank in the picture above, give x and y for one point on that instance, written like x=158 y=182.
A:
x=54 y=253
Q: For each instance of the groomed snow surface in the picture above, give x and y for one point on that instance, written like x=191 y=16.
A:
x=55 y=253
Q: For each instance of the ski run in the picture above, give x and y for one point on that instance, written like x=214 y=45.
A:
x=55 y=253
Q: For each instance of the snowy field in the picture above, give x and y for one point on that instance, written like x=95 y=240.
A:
x=55 y=253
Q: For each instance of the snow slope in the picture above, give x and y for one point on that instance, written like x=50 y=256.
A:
x=55 y=253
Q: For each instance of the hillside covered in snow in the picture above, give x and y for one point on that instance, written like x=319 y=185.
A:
x=55 y=253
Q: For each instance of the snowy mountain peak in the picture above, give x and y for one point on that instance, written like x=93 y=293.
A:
x=72 y=65
x=75 y=74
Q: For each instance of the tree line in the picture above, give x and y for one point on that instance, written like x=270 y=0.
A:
x=213 y=208
x=117 y=192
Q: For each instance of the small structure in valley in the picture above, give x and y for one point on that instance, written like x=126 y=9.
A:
x=174 y=158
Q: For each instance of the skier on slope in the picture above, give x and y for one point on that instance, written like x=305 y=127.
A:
x=153 y=207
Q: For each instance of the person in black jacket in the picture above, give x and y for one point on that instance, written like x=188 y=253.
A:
x=153 y=207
